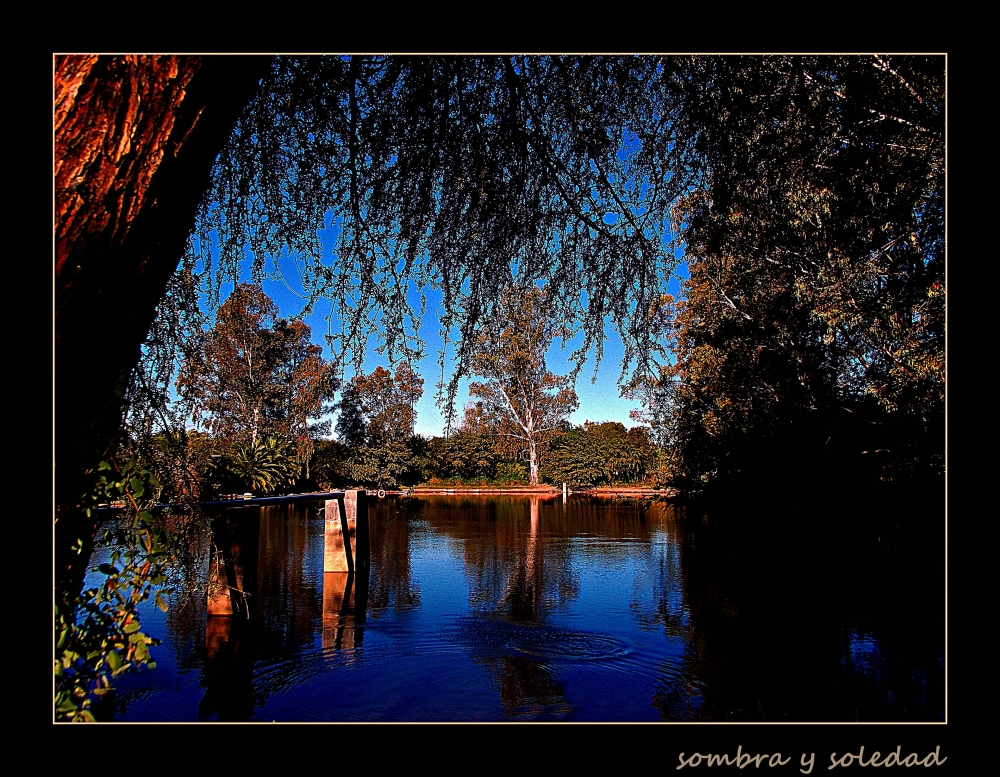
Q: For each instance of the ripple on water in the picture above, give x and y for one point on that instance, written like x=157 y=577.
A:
x=494 y=636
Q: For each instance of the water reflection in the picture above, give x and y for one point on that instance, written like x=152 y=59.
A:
x=511 y=565
x=392 y=587
x=227 y=673
x=290 y=581
x=506 y=565
x=517 y=608
x=345 y=603
x=770 y=624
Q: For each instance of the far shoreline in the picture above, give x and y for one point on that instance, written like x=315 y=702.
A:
x=541 y=491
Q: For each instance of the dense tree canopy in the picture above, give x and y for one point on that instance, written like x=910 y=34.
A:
x=457 y=174
x=814 y=181
x=380 y=407
x=601 y=454
x=811 y=329
x=806 y=194
x=256 y=374
x=377 y=416
x=473 y=452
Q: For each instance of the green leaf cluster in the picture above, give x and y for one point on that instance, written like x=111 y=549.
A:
x=601 y=454
x=263 y=465
x=98 y=633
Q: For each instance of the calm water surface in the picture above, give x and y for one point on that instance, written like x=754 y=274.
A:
x=506 y=608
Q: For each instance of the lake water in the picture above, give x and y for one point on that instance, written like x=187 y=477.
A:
x=506 y=608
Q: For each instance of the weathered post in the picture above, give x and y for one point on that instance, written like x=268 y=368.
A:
x=358 y=501
x=346 y=540
x=564 y=492
x=232 y=568
x=337 y=556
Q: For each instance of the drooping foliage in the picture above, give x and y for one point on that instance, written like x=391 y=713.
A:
x=461 y=174
x=808 y=193
x=454 y=174
x=135 y=138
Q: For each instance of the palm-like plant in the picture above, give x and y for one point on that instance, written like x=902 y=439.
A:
x=265 y=464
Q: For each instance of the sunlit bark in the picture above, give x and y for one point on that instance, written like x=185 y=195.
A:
x=134 y=142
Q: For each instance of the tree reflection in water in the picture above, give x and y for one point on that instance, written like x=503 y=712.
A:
x=518 y=608
x=391 y=584
x=513 y=587
x=792 y=617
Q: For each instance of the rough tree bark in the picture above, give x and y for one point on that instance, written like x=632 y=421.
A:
x=135 y=138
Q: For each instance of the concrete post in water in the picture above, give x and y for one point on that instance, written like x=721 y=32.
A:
x=232 y=568
x=219 y=602
x=564 y=492
x=358 y=501
x=346 y=543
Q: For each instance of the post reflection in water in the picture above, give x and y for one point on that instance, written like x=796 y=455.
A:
x=345 y=600
x=526 y=608
x=227 y=674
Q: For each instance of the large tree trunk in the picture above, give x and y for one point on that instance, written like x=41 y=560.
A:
x=135 y=140
x=532 y=462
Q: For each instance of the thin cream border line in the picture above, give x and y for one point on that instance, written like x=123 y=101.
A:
x=550 y=54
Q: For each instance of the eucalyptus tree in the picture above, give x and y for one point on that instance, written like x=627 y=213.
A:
x=526 y=403
x=377 y=417
x=255 y=375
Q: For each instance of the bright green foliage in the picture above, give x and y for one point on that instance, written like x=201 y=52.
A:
x=390 y=465
x=470 y=454
x=264 y=465
x=98 y=634
x=599 y=454
x=511 y=473
x=466 y=455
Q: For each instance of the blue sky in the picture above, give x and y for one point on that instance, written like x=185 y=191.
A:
x=599 y=394
x=599 y=401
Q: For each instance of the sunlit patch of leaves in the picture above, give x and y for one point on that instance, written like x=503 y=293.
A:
x=98 y=635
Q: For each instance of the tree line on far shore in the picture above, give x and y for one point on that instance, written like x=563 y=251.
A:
x=255 y=388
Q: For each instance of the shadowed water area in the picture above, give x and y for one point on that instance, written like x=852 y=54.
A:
x=509 y=608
